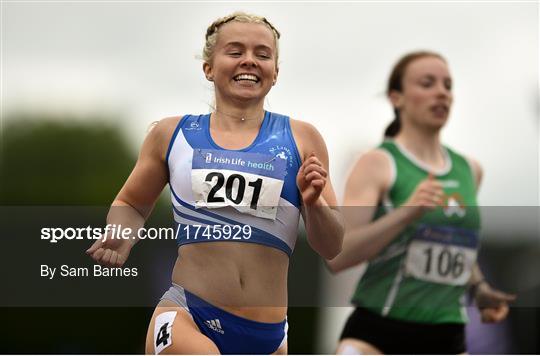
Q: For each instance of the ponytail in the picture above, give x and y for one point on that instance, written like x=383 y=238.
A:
x=393 y=128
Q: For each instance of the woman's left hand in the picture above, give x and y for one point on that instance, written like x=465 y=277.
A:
x=311 y=179
x=492 y=303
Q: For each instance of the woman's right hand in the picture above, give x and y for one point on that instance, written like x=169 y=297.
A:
x=427 y=196
x=135 y=201
x=110 y=252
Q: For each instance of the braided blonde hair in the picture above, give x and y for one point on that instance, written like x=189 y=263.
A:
x=213 y=31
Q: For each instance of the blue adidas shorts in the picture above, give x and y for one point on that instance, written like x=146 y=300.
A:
x=231 y=334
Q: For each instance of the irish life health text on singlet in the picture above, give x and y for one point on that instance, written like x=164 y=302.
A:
x=248 y=195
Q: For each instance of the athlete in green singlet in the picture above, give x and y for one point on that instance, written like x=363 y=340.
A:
x=411 y=211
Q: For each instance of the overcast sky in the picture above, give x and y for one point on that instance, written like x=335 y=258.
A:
x=139 y=60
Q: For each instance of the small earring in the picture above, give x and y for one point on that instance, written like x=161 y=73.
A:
x=210 y=79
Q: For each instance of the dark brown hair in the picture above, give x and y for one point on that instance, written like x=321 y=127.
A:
x=395 y=83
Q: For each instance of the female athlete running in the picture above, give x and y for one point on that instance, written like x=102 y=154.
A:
x=411 y=211
x=240 y=177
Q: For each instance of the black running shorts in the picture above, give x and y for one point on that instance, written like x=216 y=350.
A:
x=397 y=337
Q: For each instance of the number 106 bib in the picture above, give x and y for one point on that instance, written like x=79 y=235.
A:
x=249 y=182
x=442 y=254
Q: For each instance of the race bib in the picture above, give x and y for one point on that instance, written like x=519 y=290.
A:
x=249 y=182
x=163 y=331
x=443 y=255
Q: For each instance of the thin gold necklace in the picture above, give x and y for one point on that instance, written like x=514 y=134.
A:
x=241 y=118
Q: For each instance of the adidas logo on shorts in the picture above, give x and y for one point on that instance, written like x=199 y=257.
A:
x=215 y=325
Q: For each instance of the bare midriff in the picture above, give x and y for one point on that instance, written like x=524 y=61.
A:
x=244 y=279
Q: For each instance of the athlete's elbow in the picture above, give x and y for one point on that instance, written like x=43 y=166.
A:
x=336 y=250
x=335 y=247
x=333 y=265
x=338 y=243
x=327 y=246
x=330 y=251
x=345 y=259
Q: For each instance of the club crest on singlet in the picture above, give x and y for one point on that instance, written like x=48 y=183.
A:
x=248 y=182
x=283 y=153
x=454 y=205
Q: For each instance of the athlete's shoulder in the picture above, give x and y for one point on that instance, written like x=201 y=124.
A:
x=161 y=132
x=306 y=131
x=377 y=157
x=308 y=138
x=376 y=166
x=302 y=126
x=477 y=170
x=164 y=125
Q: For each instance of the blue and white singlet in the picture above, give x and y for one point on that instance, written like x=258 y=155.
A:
x=247 y=195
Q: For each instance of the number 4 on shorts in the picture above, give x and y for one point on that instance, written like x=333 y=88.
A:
x=163 y=331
